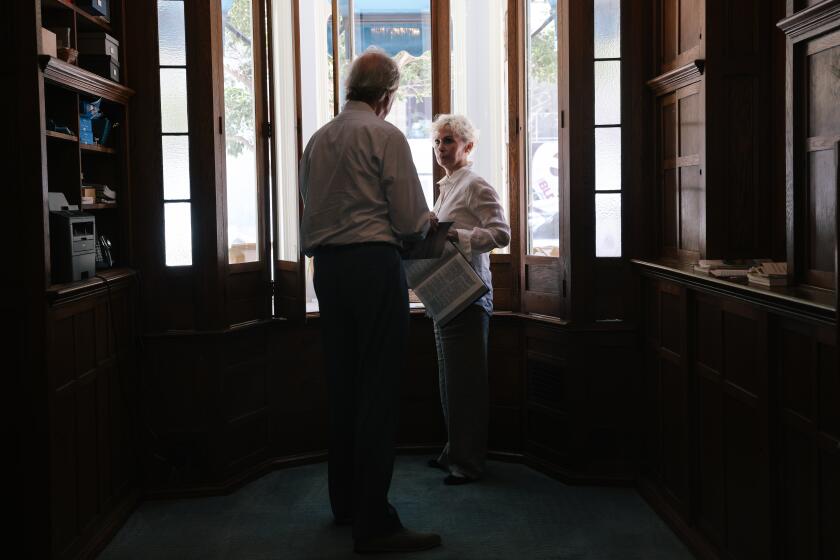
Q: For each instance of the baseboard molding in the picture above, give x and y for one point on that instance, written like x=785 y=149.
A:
x=111 y=524
x=261 y=469
x=237 y=480
x=573 y=478
x=696 y=542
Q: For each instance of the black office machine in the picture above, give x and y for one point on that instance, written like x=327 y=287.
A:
x=72 y=241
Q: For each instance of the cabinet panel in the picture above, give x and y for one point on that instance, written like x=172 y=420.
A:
x=690 y=208
x=675 y=432
x=795 y=367
x=63 y=472
x=830 y=503
x=709 y=349
x=747 y=482
x=711 y=495
x=797 y=494
x=652 y=421
x=823 y=92
x=88 y=455
x=691 y=16
x=670 y=10
x=671 y=319
x=740 y=334
x=821 y=210
x=829 y=390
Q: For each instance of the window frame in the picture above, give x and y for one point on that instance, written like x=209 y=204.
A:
x=262 y=125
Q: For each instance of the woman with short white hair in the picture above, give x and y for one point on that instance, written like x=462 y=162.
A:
x=479 y=227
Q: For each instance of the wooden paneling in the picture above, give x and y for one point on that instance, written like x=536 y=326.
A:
x=813 y=133
x=748 y=410
x=91 y=365
x=806 y=374
x=681 y=183
x=681 y=32
x=713 y=128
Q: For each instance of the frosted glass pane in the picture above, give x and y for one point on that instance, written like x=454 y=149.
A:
x=542 y=131
x=608 y=159
x=607 y=225
x=173 y=100
x=178 y=233
x=176 y=167
x=607 y=28
x=171 y=33
x=608 y=92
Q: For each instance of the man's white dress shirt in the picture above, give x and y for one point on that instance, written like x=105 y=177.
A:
x=359 y=183
x=473 y=205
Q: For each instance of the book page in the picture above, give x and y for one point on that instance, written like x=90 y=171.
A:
x=451 y=288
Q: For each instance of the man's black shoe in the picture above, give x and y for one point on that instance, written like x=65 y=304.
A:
x=454 y=480
x=404 y=540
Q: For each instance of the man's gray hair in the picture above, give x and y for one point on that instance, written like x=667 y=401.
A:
x=372 y=75
x=460 y=125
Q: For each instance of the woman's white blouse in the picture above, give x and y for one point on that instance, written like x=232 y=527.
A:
x=473 y=205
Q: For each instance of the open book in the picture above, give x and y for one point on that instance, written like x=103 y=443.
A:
x=446 y=283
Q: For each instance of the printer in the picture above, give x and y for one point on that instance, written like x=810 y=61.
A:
x=72 y=241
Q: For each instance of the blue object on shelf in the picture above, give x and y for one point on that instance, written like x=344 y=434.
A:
x=85 y=130
x=95 y=7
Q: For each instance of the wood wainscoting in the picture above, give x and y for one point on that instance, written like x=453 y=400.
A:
x=222 y=408
x=92 y=403
x=741 y=448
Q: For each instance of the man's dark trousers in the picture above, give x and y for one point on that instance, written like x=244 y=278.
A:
x=363 y=302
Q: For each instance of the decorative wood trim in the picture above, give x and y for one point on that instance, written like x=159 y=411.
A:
x=789 y=302
x=573 y=478
x=86 y=288
x=675 y=79
x=817 y=18
x=82 y=81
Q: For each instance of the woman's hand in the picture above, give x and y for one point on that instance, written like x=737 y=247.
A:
x=433 y=222
x=452 y=235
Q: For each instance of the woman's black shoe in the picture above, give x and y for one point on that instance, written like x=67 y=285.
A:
x=436 y=465
x=453 y=480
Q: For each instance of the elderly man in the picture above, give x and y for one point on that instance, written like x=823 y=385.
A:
x=362 y=199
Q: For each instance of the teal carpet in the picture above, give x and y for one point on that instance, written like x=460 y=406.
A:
x=514 y=513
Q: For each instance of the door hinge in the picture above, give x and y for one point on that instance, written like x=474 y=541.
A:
x=269 y=130
x=221 y=126
x=562 y=119
x=564 y=287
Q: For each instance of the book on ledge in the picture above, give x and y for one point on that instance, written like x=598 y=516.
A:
x=768 y=274
x=442 y=278
x=726 y=268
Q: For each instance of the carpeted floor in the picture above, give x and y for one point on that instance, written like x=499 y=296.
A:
x=514 y=513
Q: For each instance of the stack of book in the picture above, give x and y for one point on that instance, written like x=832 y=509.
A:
x=768 y=274
x=729 y=269
x=101 y=194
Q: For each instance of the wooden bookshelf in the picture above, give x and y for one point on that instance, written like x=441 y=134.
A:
x=96 y=148
x=80 y=80
x=85 y=21
x=61 y=136
x=98 y=206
